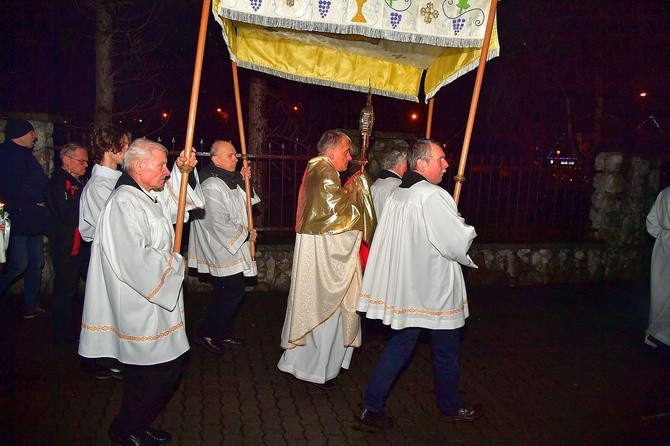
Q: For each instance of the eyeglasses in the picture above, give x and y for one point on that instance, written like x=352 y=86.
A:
x=83 y=162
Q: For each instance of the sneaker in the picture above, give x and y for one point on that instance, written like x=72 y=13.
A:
x=36 y=312
x=380 y=420
x=470 y=413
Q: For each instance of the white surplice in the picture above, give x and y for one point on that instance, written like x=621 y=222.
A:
x=101 y=185
x=217 y=243
x=413 y=276
x=658 y=225
x=133 y=307
x=94 y=196
x=381 y=189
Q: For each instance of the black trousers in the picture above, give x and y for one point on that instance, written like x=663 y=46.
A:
x=226 y=302
x=66 y=288
x=146 y=391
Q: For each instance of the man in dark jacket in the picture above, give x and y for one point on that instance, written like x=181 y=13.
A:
x=22 y=185
x=69 y=253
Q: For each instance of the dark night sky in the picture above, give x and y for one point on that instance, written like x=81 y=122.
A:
x=550 y=52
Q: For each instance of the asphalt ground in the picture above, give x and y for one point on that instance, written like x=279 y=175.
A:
x=552 y=365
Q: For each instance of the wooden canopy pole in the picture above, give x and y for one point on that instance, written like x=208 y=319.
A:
x=429 y=123
x=243 y=149
x=460 y=178
x=186 y=168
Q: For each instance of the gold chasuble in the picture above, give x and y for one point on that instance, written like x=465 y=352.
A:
x=331 y=222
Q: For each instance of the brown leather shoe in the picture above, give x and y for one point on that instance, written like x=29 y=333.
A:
x=208 y=344
x=380 y=420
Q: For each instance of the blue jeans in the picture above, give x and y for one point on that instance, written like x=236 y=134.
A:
x=445 y=345
x=25 y=254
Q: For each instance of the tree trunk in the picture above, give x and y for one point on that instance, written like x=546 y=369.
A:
x=257 y=144
x=105 y=13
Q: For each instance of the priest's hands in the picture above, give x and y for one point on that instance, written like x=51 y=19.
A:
x=252 y=235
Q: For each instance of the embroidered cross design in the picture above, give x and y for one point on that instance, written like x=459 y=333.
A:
x=290 y=3
x=429 y=12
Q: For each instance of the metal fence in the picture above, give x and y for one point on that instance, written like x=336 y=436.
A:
x=507 y=200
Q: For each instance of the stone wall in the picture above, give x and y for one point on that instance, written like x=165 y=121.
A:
x=506 y=265
x=624 y=190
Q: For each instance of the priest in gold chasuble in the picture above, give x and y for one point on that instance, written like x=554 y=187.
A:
x=321 y=326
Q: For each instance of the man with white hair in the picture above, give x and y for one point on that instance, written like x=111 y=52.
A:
x=134 y=308
x=394 y=165
x=69 y=253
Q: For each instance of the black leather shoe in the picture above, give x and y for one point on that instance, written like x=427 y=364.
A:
x=470 y=413
x=208 y=343
x=132 y=440
x=380 y=420
x=230 y=342
x=157 y=435
x=328 y=385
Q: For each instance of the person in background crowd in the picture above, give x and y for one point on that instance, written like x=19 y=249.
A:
x=69 y=253
x=22 y=186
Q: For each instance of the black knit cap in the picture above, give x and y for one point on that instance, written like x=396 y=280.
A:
x=16 y=128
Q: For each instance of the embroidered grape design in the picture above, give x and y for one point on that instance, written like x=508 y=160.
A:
x=395 y=19
x=324 y=6
x=256 y=4
x=458 y=25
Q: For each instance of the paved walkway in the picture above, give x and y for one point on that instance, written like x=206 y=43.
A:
x=553 y=365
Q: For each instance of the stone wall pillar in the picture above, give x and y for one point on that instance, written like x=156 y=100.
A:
x=625 y=187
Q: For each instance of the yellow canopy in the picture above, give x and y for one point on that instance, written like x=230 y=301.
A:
x=382 y=46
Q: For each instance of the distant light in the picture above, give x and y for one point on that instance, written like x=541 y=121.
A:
x=219 y=110
x=140 y=119
x=414 y=116
x=164 y=114
x=643 y=94
x=295 y=108
x=558 y=152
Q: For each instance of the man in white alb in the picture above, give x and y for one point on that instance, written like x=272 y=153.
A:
x=134 y=308
x=394 y=165
x=413 y=281
x=219 y=246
